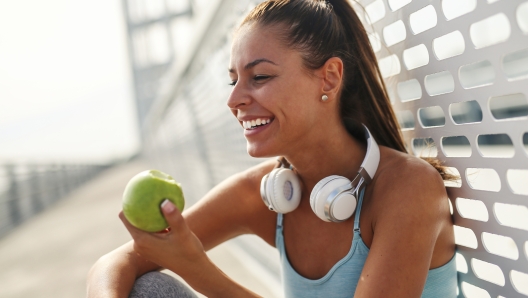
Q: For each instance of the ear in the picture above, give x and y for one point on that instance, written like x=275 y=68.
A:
x=332 y=75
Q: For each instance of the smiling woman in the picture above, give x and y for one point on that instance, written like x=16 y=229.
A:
x=358 y=215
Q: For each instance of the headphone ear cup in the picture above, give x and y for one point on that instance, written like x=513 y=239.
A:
x=322 y=190
x=283 y=190
x=263 y=190
x=344 y=206
x=316 y=190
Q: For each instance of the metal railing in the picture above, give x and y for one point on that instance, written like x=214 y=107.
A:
x=27 y=189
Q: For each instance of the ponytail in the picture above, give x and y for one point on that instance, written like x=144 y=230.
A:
x=364 y=86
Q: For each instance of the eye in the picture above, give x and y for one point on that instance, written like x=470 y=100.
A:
x=233 y=83
x=260 y=77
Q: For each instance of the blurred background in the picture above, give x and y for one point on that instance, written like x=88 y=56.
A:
x=92 y=93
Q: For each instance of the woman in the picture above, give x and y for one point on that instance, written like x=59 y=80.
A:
x=304 y=81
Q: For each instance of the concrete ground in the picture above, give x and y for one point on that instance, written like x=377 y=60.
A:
x=50 y=255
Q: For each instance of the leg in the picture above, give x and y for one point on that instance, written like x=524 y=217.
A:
x=159 y=285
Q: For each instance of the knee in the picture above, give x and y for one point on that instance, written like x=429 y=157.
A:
x=157 y=284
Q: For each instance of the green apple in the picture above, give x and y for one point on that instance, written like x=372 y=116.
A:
x=143 y=196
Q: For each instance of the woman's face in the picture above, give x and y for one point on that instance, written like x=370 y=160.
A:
x=274 y=98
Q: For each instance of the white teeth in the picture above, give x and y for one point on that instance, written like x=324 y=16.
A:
x=253 y=123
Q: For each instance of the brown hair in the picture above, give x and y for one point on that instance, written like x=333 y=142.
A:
x=320 y=30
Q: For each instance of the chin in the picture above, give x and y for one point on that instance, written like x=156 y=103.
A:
x=260 y=151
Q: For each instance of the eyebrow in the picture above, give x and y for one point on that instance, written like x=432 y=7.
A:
x=253 y=64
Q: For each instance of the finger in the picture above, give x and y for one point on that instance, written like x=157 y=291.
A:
x=134 y=232
x=173 y=216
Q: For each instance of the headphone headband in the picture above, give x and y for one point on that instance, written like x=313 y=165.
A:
x=369 y=166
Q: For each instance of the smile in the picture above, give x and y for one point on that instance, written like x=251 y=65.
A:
x=255 y=123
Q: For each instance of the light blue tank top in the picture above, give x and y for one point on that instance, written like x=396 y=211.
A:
x=342 y=279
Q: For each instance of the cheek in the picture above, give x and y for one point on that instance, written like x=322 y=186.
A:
x=272 y=97
x=306 y=90
x=301 y=102
x=289 y=94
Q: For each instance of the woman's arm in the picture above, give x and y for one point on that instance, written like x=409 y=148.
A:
x=411 y=211
x=113 y=275
x=230 y=209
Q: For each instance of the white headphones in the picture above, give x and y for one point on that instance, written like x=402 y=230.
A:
x=334 y=198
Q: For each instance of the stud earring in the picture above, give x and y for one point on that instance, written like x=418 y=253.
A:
x=324 y=97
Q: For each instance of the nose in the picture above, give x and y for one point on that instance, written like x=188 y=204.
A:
x=238 y=98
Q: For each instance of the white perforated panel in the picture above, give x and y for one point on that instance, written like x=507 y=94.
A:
x=457 y=72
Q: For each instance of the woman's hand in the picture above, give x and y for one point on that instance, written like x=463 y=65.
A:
x=178 y=249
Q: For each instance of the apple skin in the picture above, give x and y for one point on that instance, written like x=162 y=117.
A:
x=143 y=196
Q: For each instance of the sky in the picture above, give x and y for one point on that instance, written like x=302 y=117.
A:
x=66 y=92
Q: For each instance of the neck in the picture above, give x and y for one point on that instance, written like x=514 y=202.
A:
x=332 y=154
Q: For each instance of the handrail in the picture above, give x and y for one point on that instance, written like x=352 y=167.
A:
x=27 y=189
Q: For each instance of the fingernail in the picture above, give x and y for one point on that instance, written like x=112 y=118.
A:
x=167 y=206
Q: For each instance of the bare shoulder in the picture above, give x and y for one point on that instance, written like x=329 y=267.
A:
x=247 y=184
x=407 y=184
x=233 y=208
x=252 y=176
x=241 y=188
x=400 y=171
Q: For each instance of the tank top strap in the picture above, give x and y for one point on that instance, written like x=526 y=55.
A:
x=358 y=211
x=279 y=220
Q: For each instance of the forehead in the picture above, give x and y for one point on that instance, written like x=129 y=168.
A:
x=253 y=42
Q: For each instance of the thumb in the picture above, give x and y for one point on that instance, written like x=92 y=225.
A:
x=172 y=215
